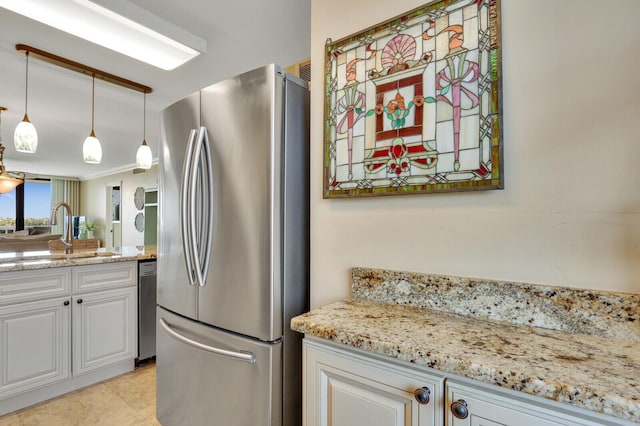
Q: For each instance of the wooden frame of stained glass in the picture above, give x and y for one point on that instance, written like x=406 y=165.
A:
x=414 y=104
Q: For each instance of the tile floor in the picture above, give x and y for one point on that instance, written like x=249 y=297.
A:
x=126 y=400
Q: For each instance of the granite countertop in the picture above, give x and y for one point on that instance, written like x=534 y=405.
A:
x=44 y=259
x=591 y=371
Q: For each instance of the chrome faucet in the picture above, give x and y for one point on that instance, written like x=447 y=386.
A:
x=54 y=221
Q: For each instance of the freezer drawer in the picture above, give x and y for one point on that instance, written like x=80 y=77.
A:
x=197 y=387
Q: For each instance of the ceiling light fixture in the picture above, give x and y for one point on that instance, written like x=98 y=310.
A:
x=25 y=137
x=117 y=25
x=143 y=156
x=91 y=149
x=7 y=180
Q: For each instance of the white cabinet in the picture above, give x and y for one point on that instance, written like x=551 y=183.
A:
x=473 y=405
x=34 y=344
x=104 y=328
x=344 y=388
x=65 y=328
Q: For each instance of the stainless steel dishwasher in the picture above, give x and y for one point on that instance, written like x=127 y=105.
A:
x=146 y=309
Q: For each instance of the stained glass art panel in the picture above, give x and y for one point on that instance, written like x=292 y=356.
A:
x=414 y=104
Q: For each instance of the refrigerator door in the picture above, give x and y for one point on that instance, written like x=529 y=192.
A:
x=180 y=123
x=243 y=117
x=196 y=385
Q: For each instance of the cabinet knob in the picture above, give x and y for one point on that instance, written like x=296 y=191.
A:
x=66 y=303
x=459 y=409
x=422 y=395
x=79 y=301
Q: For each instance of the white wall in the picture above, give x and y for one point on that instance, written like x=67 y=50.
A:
x=570 y=211
x=94 y=198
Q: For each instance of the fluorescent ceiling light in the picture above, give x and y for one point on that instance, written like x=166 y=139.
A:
x=117 y=25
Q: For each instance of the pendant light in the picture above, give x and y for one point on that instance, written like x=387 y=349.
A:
x=143 y=156
x=91 y=149
x=25 y=138
x=7 y=181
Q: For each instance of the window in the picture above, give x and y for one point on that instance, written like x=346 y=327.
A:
x=26 y=207
x=8 y=212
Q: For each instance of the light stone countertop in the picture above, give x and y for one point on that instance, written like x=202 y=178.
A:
x=590 y=371
x=44 y=259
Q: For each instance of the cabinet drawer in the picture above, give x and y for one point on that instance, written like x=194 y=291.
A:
x=104 y=276
x=23 y=286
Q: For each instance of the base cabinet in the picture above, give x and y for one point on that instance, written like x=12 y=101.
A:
x=34 y=345
x=65 y=328
x=344 y=389
x=350 y=387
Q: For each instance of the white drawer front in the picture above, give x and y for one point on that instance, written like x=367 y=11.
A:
x=22 y=286
x=104 y=276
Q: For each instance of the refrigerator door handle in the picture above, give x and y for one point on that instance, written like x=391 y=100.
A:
x=185 y=202
x=239 y=355
x=201 y=231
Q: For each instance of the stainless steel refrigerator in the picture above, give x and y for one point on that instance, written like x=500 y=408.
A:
x=233 y=252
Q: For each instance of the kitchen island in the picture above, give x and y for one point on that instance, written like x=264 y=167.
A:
x=66 y=321
x=583 y=352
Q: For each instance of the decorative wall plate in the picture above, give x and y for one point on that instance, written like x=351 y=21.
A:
x=139 y=222
x=138 y=198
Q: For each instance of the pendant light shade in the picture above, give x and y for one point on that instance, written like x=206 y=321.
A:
x=25 y=137
x=91 y=149
x=7 y=181
x=143 y=156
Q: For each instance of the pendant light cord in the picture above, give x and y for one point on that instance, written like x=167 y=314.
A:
x=144 y=118
x=93 y=97
x=26 y=85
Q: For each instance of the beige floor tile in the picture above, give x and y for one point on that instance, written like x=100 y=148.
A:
x=93 y=406
x=10 y=420
x=138 y=389
x=126 y=400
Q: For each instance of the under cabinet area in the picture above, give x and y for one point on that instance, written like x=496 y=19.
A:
x=347 y=389
x=344 y=386
x=52 y=345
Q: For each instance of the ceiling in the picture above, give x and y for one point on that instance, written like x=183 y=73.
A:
x=240 y=35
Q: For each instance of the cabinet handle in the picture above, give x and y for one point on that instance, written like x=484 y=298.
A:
x=459 y=409
x=79 y=301
x=66 y=303
x=422 y=395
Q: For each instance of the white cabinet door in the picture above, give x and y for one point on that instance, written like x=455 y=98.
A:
x=347 y=389
x=471 y=406
x=34 y=345
x=104 y=328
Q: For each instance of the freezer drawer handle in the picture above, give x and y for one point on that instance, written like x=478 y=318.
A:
x=242 y=356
